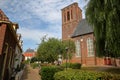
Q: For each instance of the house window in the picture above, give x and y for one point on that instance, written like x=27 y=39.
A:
x=90 y=49
x=68 y=15
x=77 y=44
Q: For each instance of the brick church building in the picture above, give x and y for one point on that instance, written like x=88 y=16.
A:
x=77 y=29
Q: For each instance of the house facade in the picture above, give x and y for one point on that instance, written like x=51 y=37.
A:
x=8 y=43
x=29 y=54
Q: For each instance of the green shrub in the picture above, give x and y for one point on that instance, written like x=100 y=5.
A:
x=75 y=65
x=34 y=65
x=44 y=64
x=72 y=65
x=84 y=75
x=47 y=72
x=34 y=59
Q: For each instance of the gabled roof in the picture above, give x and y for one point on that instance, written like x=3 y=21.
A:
x=29 y=50
x=82 y=28
x=3 y=17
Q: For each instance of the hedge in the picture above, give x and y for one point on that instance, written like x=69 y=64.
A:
x=72 y=65
x=84 y=75
x=47 y=72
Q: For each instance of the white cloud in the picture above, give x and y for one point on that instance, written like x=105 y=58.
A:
x=48 y=11
x=36 y=35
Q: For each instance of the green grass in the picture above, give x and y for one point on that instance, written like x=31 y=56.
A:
x=113 y=70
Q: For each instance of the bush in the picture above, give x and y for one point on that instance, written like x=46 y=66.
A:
x=34 y=65
x=47 y=72
x=72 y=65
x=84 y=75
x=75 y=65
x=34 y=59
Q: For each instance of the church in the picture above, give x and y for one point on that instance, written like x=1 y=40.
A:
x=75 y=28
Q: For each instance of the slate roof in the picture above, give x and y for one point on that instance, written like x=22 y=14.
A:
x=29 y=50
x=82 y=28
x=3 y=17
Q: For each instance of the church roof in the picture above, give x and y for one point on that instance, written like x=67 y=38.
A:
x=82 y=28
x=3 y=17
x=29 y=50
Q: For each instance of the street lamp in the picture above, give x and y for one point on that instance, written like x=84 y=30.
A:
x=66 y=56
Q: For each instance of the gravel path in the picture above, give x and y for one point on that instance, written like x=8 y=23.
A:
x=30 y=74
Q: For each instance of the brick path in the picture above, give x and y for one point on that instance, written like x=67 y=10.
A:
x=30 y=74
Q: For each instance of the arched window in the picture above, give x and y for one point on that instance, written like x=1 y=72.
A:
x=77 y=44
x=68 y=15
x=90 y=49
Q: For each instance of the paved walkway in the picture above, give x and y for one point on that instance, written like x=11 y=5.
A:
x=30 y=74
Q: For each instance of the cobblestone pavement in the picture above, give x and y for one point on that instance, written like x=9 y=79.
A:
x=30 y=73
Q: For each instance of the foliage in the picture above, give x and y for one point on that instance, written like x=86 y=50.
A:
x=76 y=66
x=72 y=65
x=35 y=65
x=27 y=61
x=69 y=48
x=104 y=16
x=49 y=50
x=47 y=72
x=34 y=59
x=84 y=75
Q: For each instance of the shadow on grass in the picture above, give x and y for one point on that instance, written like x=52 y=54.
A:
x=113 y=70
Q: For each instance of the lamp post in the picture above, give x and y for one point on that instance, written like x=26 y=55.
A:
x=81 y=50
x=66 y=56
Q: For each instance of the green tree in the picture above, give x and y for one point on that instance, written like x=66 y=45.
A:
x=104 y=16
x=49 y=49
x=69 y=48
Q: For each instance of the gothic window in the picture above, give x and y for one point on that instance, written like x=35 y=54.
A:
x=77 y=44
x=71 y=15
x=90 y=49
x=68 y=15
x=64 y=17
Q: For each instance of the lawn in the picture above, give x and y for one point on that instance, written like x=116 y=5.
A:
x=113 y=70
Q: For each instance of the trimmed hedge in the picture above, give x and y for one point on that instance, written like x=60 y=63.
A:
x=72 y=65
x=47 y=72
x=84 y=75
x=75 y=65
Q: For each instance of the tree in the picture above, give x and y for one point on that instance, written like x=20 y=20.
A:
x=104 y=16
x=69 y=48
x=49 y=49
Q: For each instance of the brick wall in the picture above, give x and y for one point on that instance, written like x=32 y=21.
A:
x=71 y=15
x=7 y=36
x=2 y=35
x=84 y=58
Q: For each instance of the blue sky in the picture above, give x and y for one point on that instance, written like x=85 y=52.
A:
x=37 y=18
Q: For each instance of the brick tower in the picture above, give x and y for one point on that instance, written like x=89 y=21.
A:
x=71 y=15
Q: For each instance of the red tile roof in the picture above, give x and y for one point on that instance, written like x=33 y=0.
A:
x=29 y=54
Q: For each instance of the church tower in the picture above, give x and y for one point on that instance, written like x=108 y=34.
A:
x=71 y=15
